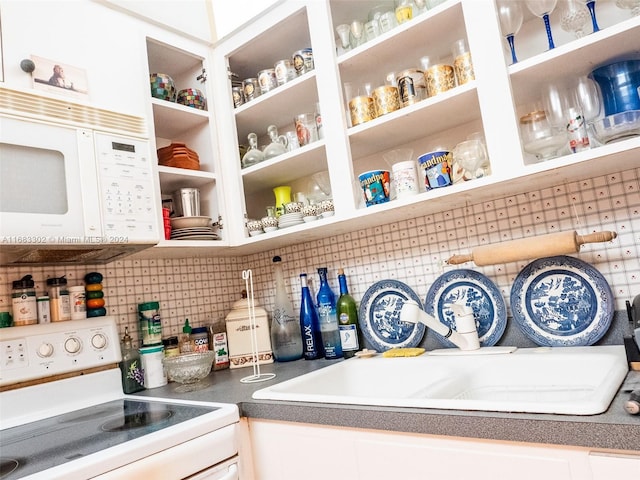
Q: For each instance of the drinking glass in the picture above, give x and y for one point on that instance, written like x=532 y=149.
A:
x=591 y=6
x=574 y=17
x=511 y=16
x=589 y=97
x=539 y=137
x=344 y=32
x=542 y=9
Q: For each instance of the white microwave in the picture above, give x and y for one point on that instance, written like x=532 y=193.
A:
x=76 y=182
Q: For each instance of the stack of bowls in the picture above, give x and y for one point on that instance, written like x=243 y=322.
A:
x=162 y=87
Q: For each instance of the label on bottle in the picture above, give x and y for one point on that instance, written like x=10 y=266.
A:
x=25 y=311
x=221 y=350
x=348 y=335
x=329 y=332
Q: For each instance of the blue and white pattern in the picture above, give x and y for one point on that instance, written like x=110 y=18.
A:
x=473 y=289
x=561 y=302
x=379 y=316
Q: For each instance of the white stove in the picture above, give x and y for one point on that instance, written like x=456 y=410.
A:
x=63 y=414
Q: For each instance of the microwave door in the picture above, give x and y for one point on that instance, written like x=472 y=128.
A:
x=44 y=170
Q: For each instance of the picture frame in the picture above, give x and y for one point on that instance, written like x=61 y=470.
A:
x=59 y=78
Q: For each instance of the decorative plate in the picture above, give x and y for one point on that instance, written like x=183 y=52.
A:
x=475 y=290
x=379 y=316
x=562 y=302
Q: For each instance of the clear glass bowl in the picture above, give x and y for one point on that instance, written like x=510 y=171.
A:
x=539 y=137
x=190 y=367
x=617 y=127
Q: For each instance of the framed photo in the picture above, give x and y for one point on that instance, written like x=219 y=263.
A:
x=60 y=78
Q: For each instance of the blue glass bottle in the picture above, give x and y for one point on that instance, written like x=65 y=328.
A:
x=309 y=324
x=328 y=318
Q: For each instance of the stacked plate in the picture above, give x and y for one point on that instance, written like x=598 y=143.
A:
x=178 y=155
x=194 y=233
x=290 y=219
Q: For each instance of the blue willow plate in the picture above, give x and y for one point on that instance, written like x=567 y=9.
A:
x=473 y=289
x=562 y=302
x=379 y=316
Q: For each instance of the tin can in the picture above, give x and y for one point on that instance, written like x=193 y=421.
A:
x=200 y=337
x=284 y=71
x=303 y=61
x=436 y=168
x=238 y=96
x=439 y=79
x=386 y=99
x=250 y=89
x=152 y=366
x=361 y=110
x=150 y=323
x=267 y=80
x=411 y=86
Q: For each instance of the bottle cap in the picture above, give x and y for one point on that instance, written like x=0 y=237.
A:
x=276 y=259
x=56 y=281
x=24 y=282
x=186 y=328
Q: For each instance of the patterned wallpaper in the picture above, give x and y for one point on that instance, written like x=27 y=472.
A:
x=412 y=251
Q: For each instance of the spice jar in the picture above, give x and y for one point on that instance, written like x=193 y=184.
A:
x=23 y=301
x=200 y=338
x=59 y=299
x=78 y=302
x=171 y=346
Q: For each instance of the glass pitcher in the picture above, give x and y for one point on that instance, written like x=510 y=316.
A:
x=278 y=144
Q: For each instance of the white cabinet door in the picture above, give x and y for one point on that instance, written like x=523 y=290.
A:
x=285 y=451
x=606 y=466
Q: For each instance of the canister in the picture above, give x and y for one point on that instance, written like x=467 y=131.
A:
x=238 y=96
x=23 y=302
x=200 y=337
x=250 y=89
x=303 y=61
x=405 y=178
x=376 y=186
x=152 y=366
x=386 y=99
x=462 y=64
x=267 y=80
x=78 y=302
x=59 y=299
x=411 y=86
x=439 y=79
x=436 y=168
x=171 y=346
x=150 y=323
x=361 y=110
x=239 y=334
x=284 y=71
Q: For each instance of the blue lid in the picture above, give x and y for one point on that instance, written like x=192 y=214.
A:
x=151 y=349
x=198 y=330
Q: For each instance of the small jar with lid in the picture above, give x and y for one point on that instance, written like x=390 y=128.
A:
x=200 y=338
x=59 y=299
x=171 y=346
x=77 y=298
x=23 y=302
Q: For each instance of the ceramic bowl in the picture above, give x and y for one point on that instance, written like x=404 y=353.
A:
x=254 y=226
x=162 y=87
x=293 y=207
x=326 y=206
x=192 y=97
x=269 y=222
x=309 y=210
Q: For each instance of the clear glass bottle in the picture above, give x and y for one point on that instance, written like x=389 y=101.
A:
x=130 y=366
x=347 y=311
x=286 y=338
x=59 y=300
x=278 y=144
x=309 y=323
x=328 y=318
x=253 y=155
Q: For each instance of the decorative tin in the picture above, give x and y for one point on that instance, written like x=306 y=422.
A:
x=376 y=186
x=267 y=80
x=238 y=96
x=250 y=88
x=361 y=110
x=284 y=71
x=463 y=68
x=303 y=61
x=386 y=100
x=439 y=79
x=411 y=86
x=436 y=168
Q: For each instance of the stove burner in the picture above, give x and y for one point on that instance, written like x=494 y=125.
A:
x=7 y=466
x=136 y=420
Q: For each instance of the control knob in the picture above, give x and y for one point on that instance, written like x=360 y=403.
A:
x=72 y=345
x=45 y=350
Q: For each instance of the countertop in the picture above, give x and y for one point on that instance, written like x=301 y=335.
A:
x=613 y=429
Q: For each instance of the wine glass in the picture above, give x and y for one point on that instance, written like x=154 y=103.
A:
x=591 y=6
x=511 y=16
x=574 y=17
x=589 y=96
x=542 y=9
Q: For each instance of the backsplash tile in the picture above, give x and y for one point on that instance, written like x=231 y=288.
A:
x=413 y=251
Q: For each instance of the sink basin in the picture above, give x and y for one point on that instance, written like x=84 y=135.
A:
x=561 y=380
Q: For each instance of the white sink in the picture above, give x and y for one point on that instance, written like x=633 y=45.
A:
x=567 y=380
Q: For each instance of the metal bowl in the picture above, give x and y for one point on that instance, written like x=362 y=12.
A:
x=189 y=367
x=617 y=127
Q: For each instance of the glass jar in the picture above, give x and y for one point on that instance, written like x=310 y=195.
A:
x=59 y=299
x=539 y=137
x=23 y=301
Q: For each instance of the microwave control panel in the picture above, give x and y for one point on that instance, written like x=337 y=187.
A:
x=125 y=177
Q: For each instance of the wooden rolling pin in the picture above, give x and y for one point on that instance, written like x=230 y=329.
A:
x=560 y=243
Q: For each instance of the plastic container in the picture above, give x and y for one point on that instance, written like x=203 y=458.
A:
x=23 y=301
x=152 y=366
x=150 y=323
x=59 y=299
x=171 y=346
x=44 y=309
x=200 y=337
x=405 y=179
x=78 y=302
